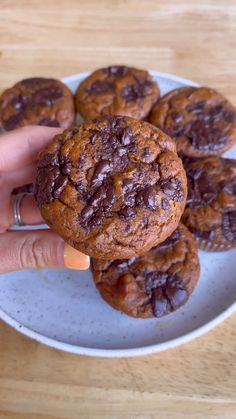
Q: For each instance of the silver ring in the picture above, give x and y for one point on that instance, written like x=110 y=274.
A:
x=16 y=209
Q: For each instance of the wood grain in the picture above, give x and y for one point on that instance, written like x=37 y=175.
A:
x=58 y=38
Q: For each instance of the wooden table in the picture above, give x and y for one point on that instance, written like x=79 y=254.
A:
x=194 y=39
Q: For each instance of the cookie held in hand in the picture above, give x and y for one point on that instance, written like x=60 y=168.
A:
x=112 y=188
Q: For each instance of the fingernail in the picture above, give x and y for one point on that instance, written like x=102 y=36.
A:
x=73 y=259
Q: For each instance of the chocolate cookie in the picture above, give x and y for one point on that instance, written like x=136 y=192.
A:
x=154 y=284
x=210 y=212
x=37 y=101
x=201 y=120
x=113 y=187
x=117 y=90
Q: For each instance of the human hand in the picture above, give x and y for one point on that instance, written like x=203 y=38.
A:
x=25 y=249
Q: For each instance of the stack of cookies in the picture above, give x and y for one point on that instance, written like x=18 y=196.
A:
x=139 y=184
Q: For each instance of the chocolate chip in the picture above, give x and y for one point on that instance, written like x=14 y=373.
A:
x=102 y=193
x=160 y=304
x=129 y=198
x=48 y=160
x=66 y=165
x=59 y=184
x=196 y=108
x=203 y=234
x=147 y=198
x=205 y=136
x=126 y=136
x=47 y=96
x=100 y=86
x=146 y=154
x=87 y=212
x=126 y=212
x=133 y=92
x=123 y=264
x=102 y=168
x=47 y=122
x=14 y=121
x=165 y=204
x=173 y=189
x=154 y=166
x=20 y=101
x=177 y=116
x=50 y=183
x=229 y=116
x=220 y=112
x=117 y=70
x=34 y=81
x=101 y=202
x=170 y=241
x=202 y=190
x=229 y=224
x=166 y=292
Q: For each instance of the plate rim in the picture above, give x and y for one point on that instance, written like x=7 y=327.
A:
x=118 y=353
x=128 y=352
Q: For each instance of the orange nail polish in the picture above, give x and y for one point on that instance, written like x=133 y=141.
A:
x=73 y=259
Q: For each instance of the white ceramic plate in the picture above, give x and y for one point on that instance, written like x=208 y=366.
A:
x=62 y=308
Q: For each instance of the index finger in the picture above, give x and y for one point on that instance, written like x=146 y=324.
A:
x=21 y=147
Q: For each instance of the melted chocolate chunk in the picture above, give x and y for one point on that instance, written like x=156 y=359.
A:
x=50 y=182
x=59 y=184
x=202 y=190
x=116 y=138
x=123 y=264
x=196 y=108
x=19 y=102
x=205 y=136
x=229 y=224
x=220 y=112
x=117 y=70
x=100 y=86
x=202 y=234
x=230 y=187
x=102 y=168
x=204 y=131
x=133 y=92
x=126 y=213
x=173 y=189
x=47 y=96
x=99 y=205
x=34 y=81
x=166 y=292
x=48 y=122
x=14 y=121
x=170 y=241
x=229 y=116
x=65 y=165
x=177 y=116
x=165 y=204
x=147 y=198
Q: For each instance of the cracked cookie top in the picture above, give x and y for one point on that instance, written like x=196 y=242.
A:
x=118 y=90
x=37 y=101
x=201 y=120
x=113 y=188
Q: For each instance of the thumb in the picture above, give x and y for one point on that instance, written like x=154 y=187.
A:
x=38 y=249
